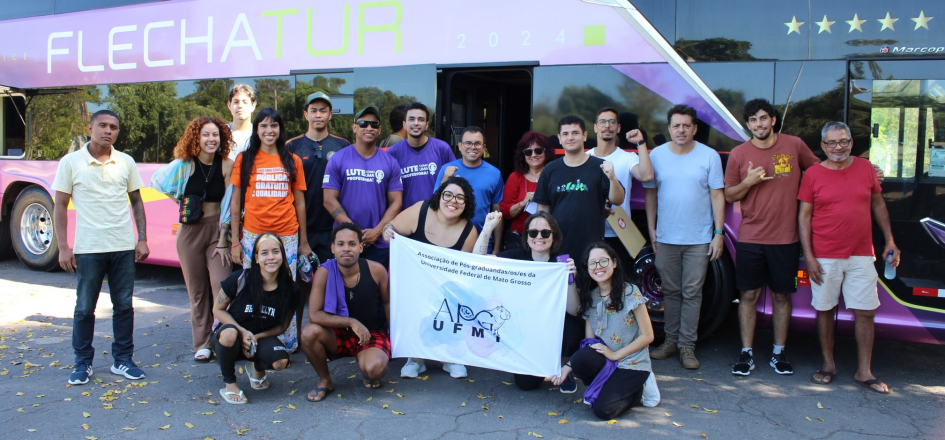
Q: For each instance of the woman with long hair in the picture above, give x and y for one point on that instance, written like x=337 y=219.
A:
x=614 y=359
x=201 y=170
x=541 y=242
x=531 y=155
x=254 y=306
x=269 y=192
x=445 y=220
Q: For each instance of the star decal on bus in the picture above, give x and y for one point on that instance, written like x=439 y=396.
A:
x=825 y=25
x=921 y=21
x=856 y=23
x=887 y=23
x=794 y=25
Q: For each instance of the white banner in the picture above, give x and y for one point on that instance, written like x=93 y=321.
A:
x=476 y=310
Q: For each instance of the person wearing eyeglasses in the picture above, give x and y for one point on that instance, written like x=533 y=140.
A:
x=614 y=358
x=542 y=242
x=626 y=165
x=532 y=153
x=838 y=200
x=576 y=189
x=485 y=179
x=419 y=155
x=445 y=220
x=362 y=185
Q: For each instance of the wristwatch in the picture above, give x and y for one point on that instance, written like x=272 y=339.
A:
x=719 y=232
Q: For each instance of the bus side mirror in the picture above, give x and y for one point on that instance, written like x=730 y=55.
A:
x=875 y=130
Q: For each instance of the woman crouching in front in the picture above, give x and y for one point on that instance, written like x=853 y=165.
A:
x=254 y=306
x=614 y=359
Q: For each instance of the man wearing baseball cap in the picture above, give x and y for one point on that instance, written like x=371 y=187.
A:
x=362 y=185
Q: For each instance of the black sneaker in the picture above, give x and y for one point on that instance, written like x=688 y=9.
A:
x=780 y=363
x=569 y=385
x=744 y=365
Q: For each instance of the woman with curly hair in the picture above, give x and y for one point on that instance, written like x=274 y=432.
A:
x=270 y=194
x=532 y=153
x=201 y=171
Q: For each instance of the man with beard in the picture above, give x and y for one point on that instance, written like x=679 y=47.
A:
x=576 y=189
x=362 y=185
x=764 y=174
x=420 y=156
x=837 y=198
x=637 y=165
x=348 y=321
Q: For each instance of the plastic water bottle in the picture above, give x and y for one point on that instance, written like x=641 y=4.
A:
x=890 y=272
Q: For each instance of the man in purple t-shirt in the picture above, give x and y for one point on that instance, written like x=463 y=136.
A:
x=419 y=156
x=362 y=185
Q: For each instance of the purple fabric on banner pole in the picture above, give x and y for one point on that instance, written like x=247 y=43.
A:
x=334 y=290
x=593 y=390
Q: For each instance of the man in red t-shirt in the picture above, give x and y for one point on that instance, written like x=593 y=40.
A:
x=764 y=174
x=837 y=198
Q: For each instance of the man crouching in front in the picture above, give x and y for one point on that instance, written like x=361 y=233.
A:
x=349 y=312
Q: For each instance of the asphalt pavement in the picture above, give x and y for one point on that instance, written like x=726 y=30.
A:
x=179 y=399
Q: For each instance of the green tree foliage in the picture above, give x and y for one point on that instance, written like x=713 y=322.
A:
x=714 y=49
x=59 y=122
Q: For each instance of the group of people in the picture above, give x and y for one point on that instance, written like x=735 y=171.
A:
x=310 y=220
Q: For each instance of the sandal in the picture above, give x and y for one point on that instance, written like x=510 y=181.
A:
x=326 y=390
x=256 y=384
x=868 y=384
x=371 y=384
x=826 y=377
x=237 y=401
x=203 y=355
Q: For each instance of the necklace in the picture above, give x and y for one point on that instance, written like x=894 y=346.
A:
x=206 y=174
x=351 y=289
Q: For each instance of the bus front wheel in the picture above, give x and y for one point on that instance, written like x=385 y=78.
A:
x=31 y=228
x=718 y=291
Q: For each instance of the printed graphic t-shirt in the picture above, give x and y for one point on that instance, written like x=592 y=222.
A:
x=418 y=169
x=769 y=205
x=364 y=183
x=623 y=162
x=577 y=196
x=270 y=203
x=684 y=205
x=242 y=309
x=842 y=217
x=315 y=156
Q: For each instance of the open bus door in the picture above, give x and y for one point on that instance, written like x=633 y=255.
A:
x=898 y=122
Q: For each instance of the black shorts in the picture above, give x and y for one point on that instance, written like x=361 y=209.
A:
x=774 y=265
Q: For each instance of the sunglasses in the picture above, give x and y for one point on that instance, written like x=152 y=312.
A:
x=365 y=124
x=538 y=150
x=545 y=233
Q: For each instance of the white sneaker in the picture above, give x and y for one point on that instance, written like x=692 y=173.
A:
x=456 y=371
x=651 y=393
x=412 y=369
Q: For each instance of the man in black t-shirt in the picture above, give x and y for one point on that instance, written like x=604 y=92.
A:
x=577 y=189
x=348 y=321
x=315 y=148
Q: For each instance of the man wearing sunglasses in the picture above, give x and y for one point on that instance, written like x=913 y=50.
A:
x=420 y=156
x=362 y=185
x=576 y=189
x=626 y=165
x=485 y=179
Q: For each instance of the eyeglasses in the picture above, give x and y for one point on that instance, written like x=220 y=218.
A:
x=469 y=144
x=603 y=122
x=545 y=233
x=841 y=142
x=459 y=198
x=365 y=124
x=603 y=262
x=538 y=150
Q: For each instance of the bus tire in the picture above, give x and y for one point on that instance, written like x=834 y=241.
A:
x=32 y=232
x=717 y=292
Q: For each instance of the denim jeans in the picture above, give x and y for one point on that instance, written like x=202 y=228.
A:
x=91 y=270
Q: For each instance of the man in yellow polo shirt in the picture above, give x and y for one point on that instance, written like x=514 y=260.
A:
x=99 y=180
